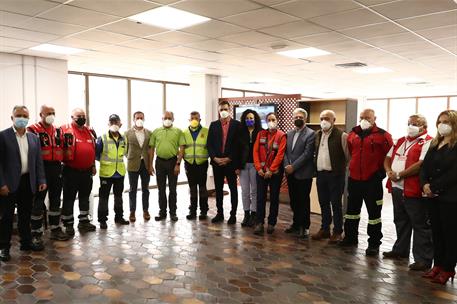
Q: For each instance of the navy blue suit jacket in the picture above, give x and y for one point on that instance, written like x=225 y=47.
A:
x=231 y=149
x=10 y=161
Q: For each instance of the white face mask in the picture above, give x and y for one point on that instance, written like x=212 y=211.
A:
x=272 y=125
x=114 y=128
x=50 y=119
x=413 y=131
x=224 y=114
x=365 y=124
x=325 y=125
x=139 y=123
x=167 y=123
x=444 y=129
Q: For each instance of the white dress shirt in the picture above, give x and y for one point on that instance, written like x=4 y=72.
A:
x=323 y=157
x=140 y=135
x=23 y=144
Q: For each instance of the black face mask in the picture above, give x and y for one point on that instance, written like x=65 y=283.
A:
x=299 y=123
x=80 y=121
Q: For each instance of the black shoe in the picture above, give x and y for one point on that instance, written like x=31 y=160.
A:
x=173 y=218
x=5 y=255
x=121 y=221
x=59 y=235
x=270 y=229
x=219 y=218
x=292 y=229
x=37 y=243
x=372 y=251
x=191 y=216
x=258 y=229
x=348 y=243
x=419 y=266
x=232 y=220
x=246 y=219
x=103 y=225
x=203 y=216
x=160 y=217
x=303 y=234
x=394 y=255
x=86 y=227
x=70 y=231
x=252 y=219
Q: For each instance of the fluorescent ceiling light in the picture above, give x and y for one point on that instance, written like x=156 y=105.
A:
x=304 y=53
x=373 y=70
x=58 y=49
x=407 y=79
x=169 y=18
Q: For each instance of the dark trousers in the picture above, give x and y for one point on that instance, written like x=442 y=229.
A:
x=196 y=177
x=444 y=229
x=103 y=197
x=133 y=182
x=23 y=198
x=371 y=192
x=300 y=203
x=330 y=188
x=53 y=171
x=220 y=173
x=262 y=189
x=76 y=182
x=165 y=170
x=411 y=214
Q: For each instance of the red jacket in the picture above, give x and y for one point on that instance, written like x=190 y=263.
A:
x=368 y=150
x=411 y=184
x=269 y=149
x=51 y=141
x=69 y=143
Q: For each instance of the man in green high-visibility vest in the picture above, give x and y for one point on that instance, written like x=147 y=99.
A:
x=110 y=150
x=195 y=154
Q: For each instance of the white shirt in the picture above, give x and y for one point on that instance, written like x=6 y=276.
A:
x=23 y=144
x=398 y=163
x=140 y=135
x=323 y=158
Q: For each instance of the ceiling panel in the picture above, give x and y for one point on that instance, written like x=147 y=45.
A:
x=408 y=8
x=11 y=42
x=103 y=36
x=214 y=29
x=146 y=44
x=430 y=21
x=374 y=2
x=79 y=16
x=216 y=8
x=260 y=18
x=375 y=30
x=244 y=51
x=249 y=38
x=52 y=27
x=132 y=28
x=347 y=46
x=8 y=49
x=348 y=19
x=397 y=39
x=12 y=19
x=313 y=8
x=270 y=2
x=212 y=45
x=121 y=8
x=26 y=34
x=178 y=37
x=278 y=45
x=448 y=43
x=80 y=43
x=294 y=29
x=440 y=32
x=322 y=39
x=26 y=7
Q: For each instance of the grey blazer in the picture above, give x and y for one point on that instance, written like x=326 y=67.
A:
x=10 y=161
x=134 y=151
x=301 y=157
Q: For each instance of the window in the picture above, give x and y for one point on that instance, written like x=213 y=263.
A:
x=76 y=92
x=147 y=97
x=400 y=110
x=231 y=93
x=107 y=96
x=179 y=101
x=380 y=108
x=453 y=103
x=431 y=108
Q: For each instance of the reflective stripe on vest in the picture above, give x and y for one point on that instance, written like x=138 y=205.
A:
x=196 y=151
x=111 y=159
x=375 y=221
x=352 y=217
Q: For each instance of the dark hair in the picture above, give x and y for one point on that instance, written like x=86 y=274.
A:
x=257 y=120
x=137 y=112
x=194 y=113
x=224 y=102
x=271 y=113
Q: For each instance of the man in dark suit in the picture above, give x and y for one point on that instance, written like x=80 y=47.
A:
x=21 y=176
x=299 y=168
x=223 y=150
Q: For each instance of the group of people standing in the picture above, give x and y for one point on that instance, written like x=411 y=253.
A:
x=44 y=159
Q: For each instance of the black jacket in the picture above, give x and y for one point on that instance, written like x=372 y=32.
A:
x=214 y=143
x=439 y=169
x=245 y=148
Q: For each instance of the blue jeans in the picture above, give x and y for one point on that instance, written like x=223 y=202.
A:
x=248 y=181
x=133 y=181
x=330 y=188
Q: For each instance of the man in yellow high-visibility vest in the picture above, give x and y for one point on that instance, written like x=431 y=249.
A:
x=110 y=150
x=195 y=154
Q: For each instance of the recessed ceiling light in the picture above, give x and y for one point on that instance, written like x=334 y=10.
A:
x=304 y=53
x=373 y=70
x=58 y=49
x=169 y=18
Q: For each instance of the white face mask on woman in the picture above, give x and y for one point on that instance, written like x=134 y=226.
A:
x=413 y=131
x=444 y=129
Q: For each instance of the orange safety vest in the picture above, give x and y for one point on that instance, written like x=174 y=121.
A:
x=51 y=143
x=69 y=142
x=268 y=147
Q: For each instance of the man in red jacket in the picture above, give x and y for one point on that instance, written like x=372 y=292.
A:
x=368 y=145
x=402 y=164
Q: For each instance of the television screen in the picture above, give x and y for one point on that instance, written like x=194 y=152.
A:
x=261 y=109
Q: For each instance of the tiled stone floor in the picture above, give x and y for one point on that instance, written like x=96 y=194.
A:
x=197 y=262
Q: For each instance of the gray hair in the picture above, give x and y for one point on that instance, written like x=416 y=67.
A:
x=421 y=118
x=300 y=110
x=368 y=110
x=19 y=107
x=331 y=112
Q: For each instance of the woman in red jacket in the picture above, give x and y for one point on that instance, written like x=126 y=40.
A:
x=269 y=149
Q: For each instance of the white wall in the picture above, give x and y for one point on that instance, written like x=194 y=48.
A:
x=32 y=81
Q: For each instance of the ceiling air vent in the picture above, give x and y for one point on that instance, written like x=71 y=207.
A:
x=350 y=65
x=417 y=83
